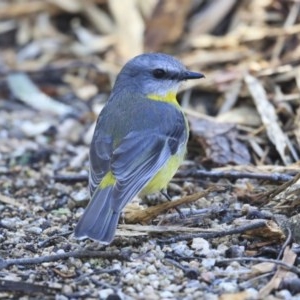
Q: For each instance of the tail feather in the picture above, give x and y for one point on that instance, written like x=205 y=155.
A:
x=99 y=221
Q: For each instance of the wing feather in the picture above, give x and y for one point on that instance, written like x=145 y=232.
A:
x=100 y=156
x=138 y=156
x=132 y=175
x=133 y=157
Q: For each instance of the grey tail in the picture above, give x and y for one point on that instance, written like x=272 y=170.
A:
x=99 y=221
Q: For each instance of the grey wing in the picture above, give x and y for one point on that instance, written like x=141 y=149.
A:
x=100 y=155
x=138 y=157
x=135 y=162
x=142 y=154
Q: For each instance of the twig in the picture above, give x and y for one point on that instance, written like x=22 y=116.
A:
x=270 y=120
x=190 y=214
x=189 y=272
x=75 y=254
x=272 y=193
x=259 y=259
x=211 y=235
x=288 y=259
x=26 y=287
x=142 y=216
x=286 y=243
x=47 y=241
x=234 y=175
x=249 y=283
x=70 y=178
x=281 y=41
x=197 y=174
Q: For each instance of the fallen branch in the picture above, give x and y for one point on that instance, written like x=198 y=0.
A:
x=273 y=192
x=234 y=175
x=288 y=259
x=26 y=287
x=211 y=235
x=143 y=216
x=275 y=177
x=270 y=120
x=70 y=178
x=262 y=260
x=74 y=254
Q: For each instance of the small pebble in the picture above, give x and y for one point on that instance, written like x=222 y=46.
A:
x=228 y=286
x=34 y=229
x=201 y=244
x=208 y=263
x=284 y=294
x=104 y=293
x=166 y=295
x=80 y=195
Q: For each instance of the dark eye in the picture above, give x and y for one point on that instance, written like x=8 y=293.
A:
x=159 y=73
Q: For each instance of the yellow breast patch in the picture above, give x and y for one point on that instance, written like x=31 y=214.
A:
x=169 y=97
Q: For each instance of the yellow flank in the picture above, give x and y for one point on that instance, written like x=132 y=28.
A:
x=169 y=97
x=108 y=180
x=164 y=175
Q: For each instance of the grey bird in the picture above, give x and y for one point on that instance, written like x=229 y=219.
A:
x=139 y=141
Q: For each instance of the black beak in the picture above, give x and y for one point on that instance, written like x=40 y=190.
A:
x=191 y=75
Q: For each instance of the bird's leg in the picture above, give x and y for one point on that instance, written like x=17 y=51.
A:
x=167 y=196
x=164 y=192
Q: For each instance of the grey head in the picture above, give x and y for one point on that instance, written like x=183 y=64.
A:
x=153 y=73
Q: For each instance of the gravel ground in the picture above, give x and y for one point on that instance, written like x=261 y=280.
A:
x=240 y=240
x=38 y=214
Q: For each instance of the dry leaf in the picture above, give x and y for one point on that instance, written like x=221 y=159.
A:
x=161 y=28
x=269 y=118
x=271 y=232
x=129 y=28
x=142 y=216
x=289 y=257
x=245 y=295
x=242 y=115
x=203 y=21
x=262 y=268
x=219 y=141
x=24 y=89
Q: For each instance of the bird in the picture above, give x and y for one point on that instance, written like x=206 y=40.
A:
x=139 y=142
